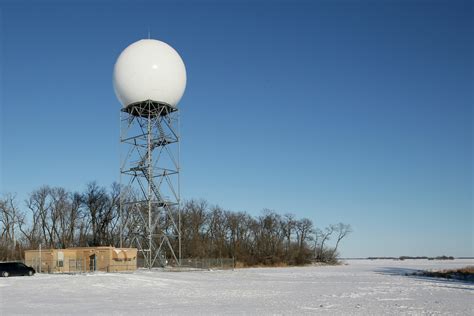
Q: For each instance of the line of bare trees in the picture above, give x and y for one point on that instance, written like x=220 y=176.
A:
x=271 y=238
x=57 y=218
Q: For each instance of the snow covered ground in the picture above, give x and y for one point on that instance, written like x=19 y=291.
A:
x=361 y=287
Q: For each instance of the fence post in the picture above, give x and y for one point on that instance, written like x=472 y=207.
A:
x=40 y=258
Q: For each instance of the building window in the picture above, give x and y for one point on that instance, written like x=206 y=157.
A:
x=60 y=259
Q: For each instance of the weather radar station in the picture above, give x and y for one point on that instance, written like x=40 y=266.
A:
x=149 y=80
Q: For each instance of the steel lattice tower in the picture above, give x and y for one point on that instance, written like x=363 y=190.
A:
x=150 y=197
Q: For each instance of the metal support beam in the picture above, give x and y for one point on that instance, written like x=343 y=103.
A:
x=149 y=176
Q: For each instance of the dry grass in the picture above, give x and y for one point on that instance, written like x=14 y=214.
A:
x=465 y=273
x=466 y=270
x=240 y=265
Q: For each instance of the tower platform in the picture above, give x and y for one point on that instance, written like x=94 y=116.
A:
x=149 y=108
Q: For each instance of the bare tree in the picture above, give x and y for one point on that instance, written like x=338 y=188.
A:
x=96 y=201
x=342 y=231
x=10 y=218
x=324 y=236
x=304 y=230
x=288 y=226
x=59 y=212
x=194 y=228
x=113 y=231
x=39 y=204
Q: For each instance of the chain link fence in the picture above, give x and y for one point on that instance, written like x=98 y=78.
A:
x=192 y=264
x=209 y=263
x=75 y=266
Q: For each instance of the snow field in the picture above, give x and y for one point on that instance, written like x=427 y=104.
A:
x=360 y=287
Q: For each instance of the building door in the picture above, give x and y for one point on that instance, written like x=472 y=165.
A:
x=92 y=263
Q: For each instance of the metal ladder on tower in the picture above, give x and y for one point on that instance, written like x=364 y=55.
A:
x=161 y=141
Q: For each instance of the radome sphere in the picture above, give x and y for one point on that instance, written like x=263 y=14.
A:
x=149 y=70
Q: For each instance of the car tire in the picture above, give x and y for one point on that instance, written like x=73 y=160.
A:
x=5 y=274
x=30 y=273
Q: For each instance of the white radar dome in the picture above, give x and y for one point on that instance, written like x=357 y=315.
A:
x=149 y=70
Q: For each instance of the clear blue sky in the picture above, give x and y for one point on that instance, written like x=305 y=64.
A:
x=352 y=111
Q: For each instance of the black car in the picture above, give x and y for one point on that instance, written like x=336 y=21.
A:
x=15 y=268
